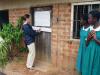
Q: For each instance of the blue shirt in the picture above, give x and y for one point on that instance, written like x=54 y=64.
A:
x=29 y=34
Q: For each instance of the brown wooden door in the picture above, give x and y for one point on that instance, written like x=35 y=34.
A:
x=42 y=18
x=43 y=46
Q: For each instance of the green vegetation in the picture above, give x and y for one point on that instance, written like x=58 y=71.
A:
x=11 y=35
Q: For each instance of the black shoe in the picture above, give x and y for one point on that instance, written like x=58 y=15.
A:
x=31 y=68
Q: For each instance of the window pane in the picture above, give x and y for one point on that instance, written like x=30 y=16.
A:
x=42 y=18
x=74 y=29
x=78 y=11
x=75 y=12
x=78 y=29
x=85 y=9
x=95 y=6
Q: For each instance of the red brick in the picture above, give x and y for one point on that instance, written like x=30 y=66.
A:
x=14 y=14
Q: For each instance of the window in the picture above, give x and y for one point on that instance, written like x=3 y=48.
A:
x=41 y=16
x=78 y=10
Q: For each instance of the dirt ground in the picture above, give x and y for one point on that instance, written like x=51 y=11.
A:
x=17 y=67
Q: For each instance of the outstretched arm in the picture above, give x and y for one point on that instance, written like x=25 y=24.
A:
x=28 y=30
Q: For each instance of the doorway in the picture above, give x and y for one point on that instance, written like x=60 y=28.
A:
x=41 y=18
x=4 y=17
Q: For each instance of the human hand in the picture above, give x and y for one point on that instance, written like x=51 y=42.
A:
x=39 y=30
x=94 y=36
x=91 y=35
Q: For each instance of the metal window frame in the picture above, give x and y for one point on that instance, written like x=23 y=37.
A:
x=72 y=15
x=42 y=8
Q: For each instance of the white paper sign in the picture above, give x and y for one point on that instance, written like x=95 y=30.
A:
x=42 y=18
x=42 y=29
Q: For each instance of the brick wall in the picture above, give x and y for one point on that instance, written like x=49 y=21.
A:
x=14 y=14
x=64 y=50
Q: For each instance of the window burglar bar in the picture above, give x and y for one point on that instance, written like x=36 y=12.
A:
x=78 y=11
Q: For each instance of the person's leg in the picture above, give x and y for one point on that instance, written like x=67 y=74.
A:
x=31 y=55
